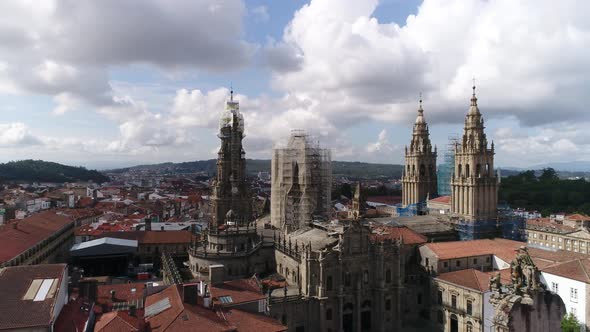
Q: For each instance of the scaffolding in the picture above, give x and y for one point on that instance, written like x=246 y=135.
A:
x=508 y=225
x=446 y=170
x=301 y=175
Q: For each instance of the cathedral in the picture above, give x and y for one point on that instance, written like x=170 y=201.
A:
x=350 y=275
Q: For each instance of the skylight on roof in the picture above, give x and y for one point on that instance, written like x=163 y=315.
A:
x=226 y=299
x=43 y=291
x=157 y=307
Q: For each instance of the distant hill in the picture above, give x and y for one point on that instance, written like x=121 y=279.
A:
x=45 y=171
x=253 y=166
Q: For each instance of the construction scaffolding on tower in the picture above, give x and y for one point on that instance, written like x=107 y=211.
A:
x=301 y=182
x=447 y=168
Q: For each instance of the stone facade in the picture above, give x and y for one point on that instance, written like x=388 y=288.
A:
x=474 y=184
x=348 y=280
x=231 y=191
x=419 y=178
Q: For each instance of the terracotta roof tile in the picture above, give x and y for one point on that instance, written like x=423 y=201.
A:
x=503 y=248
x=14 y=282
x=578 y=269
x=29 y=232
x=469 y=278
x=441 y=199
x=249 y=322
x=116 y=321
x=241 y=291
x=408 y=236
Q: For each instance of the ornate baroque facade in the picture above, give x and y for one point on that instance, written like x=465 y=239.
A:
x=419 y=179
x=474 y=184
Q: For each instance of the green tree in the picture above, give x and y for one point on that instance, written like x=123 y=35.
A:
x=570 y=323
x=548 y=174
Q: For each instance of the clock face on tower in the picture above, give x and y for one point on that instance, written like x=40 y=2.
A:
x=234 y=190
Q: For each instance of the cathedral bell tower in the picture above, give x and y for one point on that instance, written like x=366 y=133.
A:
x=474 y=183
x=419 y=178
x=230 y=188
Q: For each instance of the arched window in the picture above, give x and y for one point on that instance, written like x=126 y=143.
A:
x=478 y=170
x=487 y=168
x=413 y=169
x=469 y=327
x=422 y=170
x=329 y=283
x=460 y=171
x=430 y=170
x=467 y=170
x=388 y=276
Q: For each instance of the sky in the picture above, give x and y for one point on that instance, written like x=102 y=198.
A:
x=109 y=84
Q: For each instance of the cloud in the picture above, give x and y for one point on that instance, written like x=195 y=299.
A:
x=16 y=134
x=338 y=51
x=66 y=49
x=544 y=144
x=260 y=13
x=382 y=145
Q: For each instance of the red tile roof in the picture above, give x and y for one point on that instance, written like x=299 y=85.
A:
x=441 y=199
x=241 y=291
x=162 y=320
x=469 y=278
x=123 y=293
x=389 y=200
x=116 y=321
x=16 y=313
x=577 y=216
x=578 y=269
x=505 y=249
x=408 y=236
x=249 y=322
x=73 y=316
x=29 y=232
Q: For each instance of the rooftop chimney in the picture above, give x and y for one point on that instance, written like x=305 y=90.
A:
x=113 y=295
x=132 y=310
x=216 y=274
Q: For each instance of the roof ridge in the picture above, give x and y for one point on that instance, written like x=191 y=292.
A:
x=584 y=269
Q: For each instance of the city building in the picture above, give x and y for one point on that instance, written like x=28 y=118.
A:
x=44 y=237
x=571 y=281
x=474 y=197
x=419 y=177
x=552 y=234
x=32 y=297
x=301 y=183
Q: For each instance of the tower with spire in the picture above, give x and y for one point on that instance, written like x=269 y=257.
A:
x=231 y=193
x=419 y=177
x=474 y=184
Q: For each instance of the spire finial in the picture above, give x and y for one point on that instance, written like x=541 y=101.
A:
x=473 y=97
x=420 y=100
x=231 y=92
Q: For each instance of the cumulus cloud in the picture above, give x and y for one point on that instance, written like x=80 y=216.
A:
x=382 y=145
x=260 y=13
x=516 y=51
x=66 y=48
x=16 y=134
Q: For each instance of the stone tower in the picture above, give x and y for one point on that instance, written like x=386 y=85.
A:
x=231 y=193
x=358 y=204
x=301 y=183
x=419 y=179
x=474 y=185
